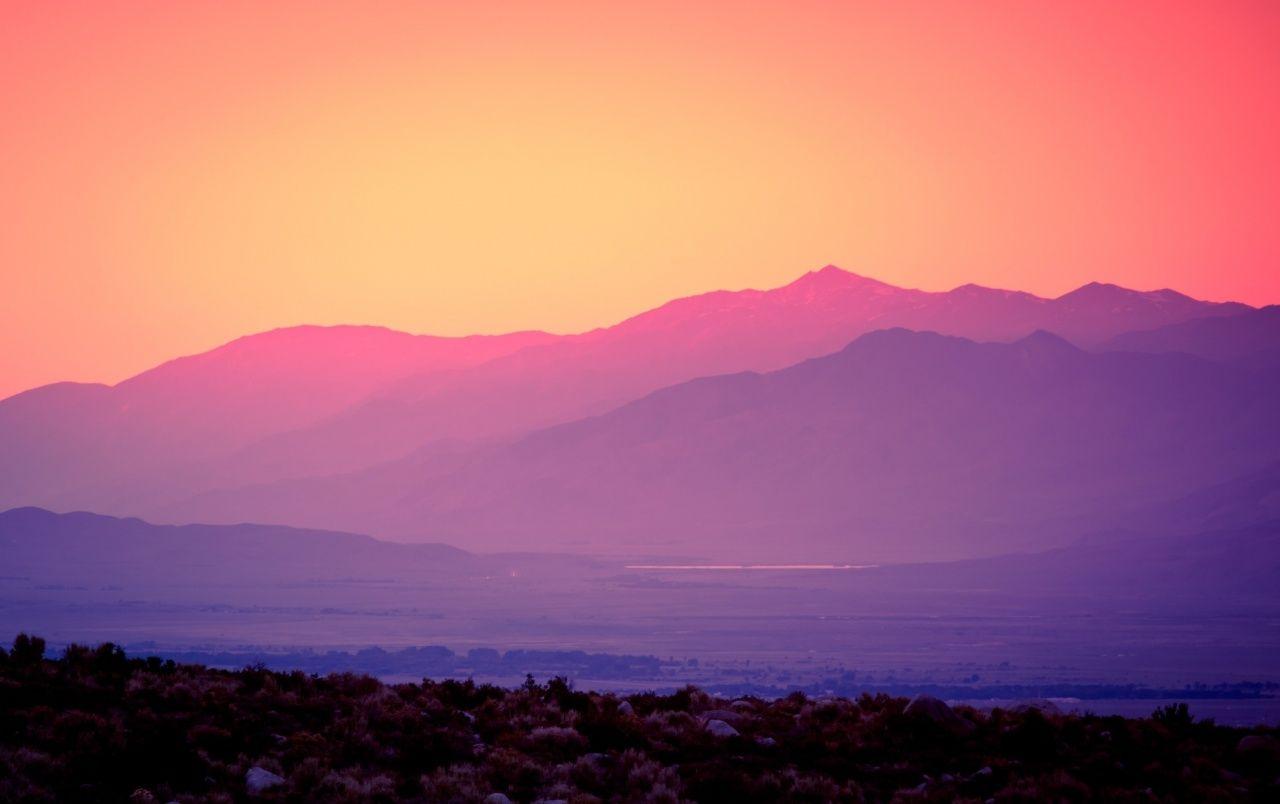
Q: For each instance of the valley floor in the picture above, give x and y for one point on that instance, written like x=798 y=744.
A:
x=720 y=639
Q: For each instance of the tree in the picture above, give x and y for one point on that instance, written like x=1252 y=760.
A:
x=27 y=649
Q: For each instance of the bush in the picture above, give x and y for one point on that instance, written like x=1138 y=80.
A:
x=97 y=725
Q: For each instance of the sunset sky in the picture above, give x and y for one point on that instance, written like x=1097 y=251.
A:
x=173 y=175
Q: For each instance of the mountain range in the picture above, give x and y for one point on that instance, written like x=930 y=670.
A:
x=68 y=441
x=1251 y=338
x=55 y=554
x=314 y=403
x=903 y=444
x=81 y=548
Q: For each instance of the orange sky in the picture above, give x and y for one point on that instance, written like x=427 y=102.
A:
x=173 y=175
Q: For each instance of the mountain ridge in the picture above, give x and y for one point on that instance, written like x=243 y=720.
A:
x=829 y=275
x=900 y=444
x=314 y=401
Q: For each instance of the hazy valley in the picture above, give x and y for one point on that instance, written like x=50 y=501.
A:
x=1013 y=491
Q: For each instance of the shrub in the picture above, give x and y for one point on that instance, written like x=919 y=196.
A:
x=97 y=725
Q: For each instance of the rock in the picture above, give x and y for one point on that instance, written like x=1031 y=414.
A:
x=932 y=709
x=496 y=798
x=1044 y=707
x=767 y=742
x=742 y=705
x=721 y=729
x=625 y=708
x=141 y=796
x=727 y=715
x=1259 y=746
x=982 y=773
x=259 y=780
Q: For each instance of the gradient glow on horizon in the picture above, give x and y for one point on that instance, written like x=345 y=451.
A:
x=175 y=175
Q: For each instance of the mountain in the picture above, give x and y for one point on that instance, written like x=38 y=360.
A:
x=903 y=446
x=1250 y=338
x=1085 y=316
x=310 y=402
x=1189 y=571
x=90 y=554
x=83 y=548
x=1244 y=501
x=59 y=440
x=714 y=333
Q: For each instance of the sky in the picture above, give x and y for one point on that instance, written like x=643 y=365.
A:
x=174 y=175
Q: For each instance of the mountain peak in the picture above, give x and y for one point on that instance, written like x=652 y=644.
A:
x=1168 y=294
x=27 y=514
x=827 y=273
x=831 y=277
x=896 y=340
x=1096 y=290
x=971 y=291
x=1100 y=295
x=1105 y=292
x=1043 y=341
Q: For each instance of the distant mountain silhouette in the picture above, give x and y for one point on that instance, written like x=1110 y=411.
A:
x=165 y=564
x=714 y=333
x=83 y=547
x=1250 y=338
x=59 y=442
x=1191 y=572
x=1245 y=501
x=315 y=401
x=903 y=446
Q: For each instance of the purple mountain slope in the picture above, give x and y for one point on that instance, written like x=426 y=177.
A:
x=1247 y=500
x=58 y=440
x=71 y=548
x=1251 y=338
x=903 y=446
x=316 y=401
x=1193 y=571
x=703 y=335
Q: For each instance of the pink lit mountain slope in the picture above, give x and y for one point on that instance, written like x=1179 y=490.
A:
x=216 y=421
x=904 y=446
x=714 y=333
x=59 y=439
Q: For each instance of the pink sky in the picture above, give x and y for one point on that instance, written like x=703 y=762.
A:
x=173 y=175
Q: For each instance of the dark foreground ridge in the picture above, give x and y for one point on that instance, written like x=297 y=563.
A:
x=95 y=725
